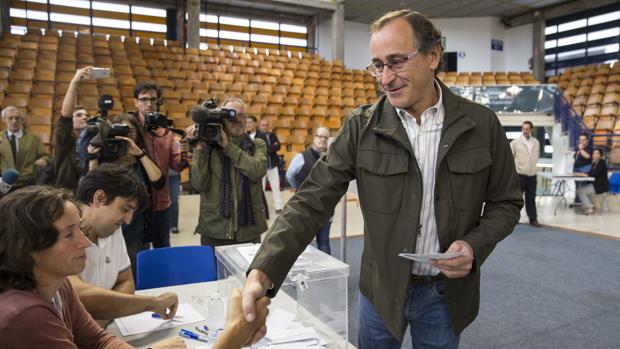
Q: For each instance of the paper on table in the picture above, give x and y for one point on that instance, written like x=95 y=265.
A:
x=426 y=257
x=144 y=322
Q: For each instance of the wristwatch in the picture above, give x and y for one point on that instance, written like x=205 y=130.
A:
x=138 y=157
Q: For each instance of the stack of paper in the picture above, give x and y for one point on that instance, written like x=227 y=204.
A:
x=145 y=322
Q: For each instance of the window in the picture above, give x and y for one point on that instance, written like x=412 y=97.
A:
x=103 y=6
x=607 y=17
x=572 y=25
x=264 y=25
x=108 y=15
x=266 y=34
x=110 y=23
x=265 y=38
x=64 y=18
x=242 y=22
x=587 y=37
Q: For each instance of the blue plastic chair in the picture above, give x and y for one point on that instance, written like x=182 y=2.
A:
x=170 y=266
x=614 y=183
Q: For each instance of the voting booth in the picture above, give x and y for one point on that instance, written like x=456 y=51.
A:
x=311 y=303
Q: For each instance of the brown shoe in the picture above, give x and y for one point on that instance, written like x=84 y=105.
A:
x=535 y=224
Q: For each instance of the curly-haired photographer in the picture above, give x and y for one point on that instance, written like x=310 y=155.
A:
x=228 y=175
x=137 y=157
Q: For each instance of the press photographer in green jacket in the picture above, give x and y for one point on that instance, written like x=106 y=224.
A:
x=228 y=177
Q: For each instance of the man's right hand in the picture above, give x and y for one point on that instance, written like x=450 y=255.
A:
x=83 y=74
x=256 y=285
x=166 y=305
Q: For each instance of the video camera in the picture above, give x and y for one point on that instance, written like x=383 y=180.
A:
x=155 y=120
x=209 y=120
x=99 y=133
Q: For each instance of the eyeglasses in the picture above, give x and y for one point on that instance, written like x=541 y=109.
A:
x=147 y=99
x=322 y=137
x=397 y=64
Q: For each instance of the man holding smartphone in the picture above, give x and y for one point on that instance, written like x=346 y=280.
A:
x=67 y=130
x=160 y=144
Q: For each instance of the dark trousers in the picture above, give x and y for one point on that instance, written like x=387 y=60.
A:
x=133 y=247
x=174 y=184
x=528 y=186
x=158 y=230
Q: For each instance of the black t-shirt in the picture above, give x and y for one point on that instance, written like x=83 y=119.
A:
x=580 y=161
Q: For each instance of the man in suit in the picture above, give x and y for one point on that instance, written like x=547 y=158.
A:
x=273 y=145
x=20 y=149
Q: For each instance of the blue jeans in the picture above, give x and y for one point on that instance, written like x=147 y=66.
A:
x=322 y=238
x=426 y=312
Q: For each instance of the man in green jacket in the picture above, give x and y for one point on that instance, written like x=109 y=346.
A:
x=228 y=177
x=434 y=173
x=20 y=149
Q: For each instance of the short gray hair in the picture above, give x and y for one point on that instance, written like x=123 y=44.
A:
x=9 y=109
x=323 y=128
x=427 y=36
x=236 y=100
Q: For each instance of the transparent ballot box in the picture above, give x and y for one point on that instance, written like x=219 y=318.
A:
x=311 y=306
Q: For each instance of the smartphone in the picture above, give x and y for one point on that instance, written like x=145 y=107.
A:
x=100 y=73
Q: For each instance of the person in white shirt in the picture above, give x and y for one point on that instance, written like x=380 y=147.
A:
x=109 y=196
x=526 y=151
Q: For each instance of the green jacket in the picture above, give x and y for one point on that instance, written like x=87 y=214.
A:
x=206 y=180
x=475 y=169
x=30 y=150
x=65 y=160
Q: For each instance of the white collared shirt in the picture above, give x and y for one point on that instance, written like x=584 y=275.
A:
x=105 y=260
x=18 y=135
x=425 y=139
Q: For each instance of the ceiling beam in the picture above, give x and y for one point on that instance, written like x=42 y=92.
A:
x=316 y=4
x=555 y=11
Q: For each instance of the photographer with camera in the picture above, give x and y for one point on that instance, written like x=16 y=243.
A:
x=227 y=170
x=125 y=144
x=66 y=132
x=160 y=144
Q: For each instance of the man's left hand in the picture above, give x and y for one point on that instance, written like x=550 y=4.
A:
x=41 y=163
x=223 y=137
x=459 y=266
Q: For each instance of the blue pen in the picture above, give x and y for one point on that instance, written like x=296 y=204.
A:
x=156 y=316
x=192 y=335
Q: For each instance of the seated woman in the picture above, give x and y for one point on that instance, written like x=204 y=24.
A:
x=40 y=245
x=600 y=185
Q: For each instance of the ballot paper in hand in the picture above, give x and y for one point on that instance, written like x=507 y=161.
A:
x=145 y=322
x=426 y=257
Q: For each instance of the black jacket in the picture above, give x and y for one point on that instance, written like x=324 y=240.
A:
x=599 y=172
x=273 y=145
